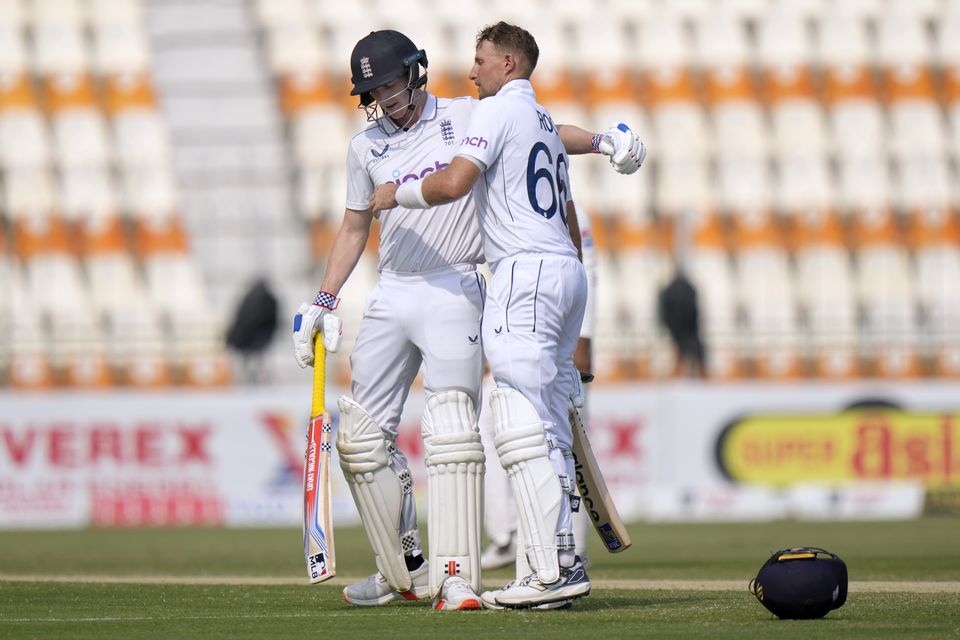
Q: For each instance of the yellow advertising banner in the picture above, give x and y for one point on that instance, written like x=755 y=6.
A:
x=857 y=445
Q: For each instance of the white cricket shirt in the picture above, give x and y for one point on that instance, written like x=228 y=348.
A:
x=521 y=195
x=416 y=240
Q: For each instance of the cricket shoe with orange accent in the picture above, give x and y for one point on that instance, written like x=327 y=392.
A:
x=375 y=591
x=531 y=592
x=456 y=595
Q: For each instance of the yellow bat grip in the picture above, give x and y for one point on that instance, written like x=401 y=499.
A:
x=319 y=377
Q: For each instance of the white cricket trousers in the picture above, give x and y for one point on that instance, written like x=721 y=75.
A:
x=531 y=323
x=410 y=319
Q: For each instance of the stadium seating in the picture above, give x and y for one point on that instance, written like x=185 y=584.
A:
x=802 y=157
x=85 y=164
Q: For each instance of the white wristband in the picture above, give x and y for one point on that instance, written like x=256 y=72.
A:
x=410 y=195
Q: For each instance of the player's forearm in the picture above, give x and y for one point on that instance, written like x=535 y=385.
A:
x=442 y=187
x=576 y=140
x=347 y=248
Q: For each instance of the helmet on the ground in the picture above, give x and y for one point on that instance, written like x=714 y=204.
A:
x=801 y=583
x=382 y=56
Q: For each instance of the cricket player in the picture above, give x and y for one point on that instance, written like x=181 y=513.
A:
x=424 y=311
x=500 y=511
x=515 y=163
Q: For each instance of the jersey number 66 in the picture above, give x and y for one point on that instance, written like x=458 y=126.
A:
x=556 y=188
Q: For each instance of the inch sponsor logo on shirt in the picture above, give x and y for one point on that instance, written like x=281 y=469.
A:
x=380 y=155
x=476 y=141
x=419 y=174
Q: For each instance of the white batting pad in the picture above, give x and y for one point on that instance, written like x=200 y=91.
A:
x=376 y=488
x=523 y=454
x=454 y=461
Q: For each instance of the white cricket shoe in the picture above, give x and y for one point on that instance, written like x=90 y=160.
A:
x=496 y=556
x=530 y=592
x=489 y=601
x=456 y=595
x=375 y=591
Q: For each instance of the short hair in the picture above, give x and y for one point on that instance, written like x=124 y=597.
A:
x=514 y=39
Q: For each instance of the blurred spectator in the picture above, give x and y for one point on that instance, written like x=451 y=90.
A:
x=679 y=311
x=253 y=326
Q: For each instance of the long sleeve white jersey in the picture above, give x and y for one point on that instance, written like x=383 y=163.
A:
x=416 y=240
x=522 y=194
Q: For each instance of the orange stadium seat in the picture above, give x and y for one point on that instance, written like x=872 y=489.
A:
x=711 y=271
x=175 y=290
x=851 y=94
x=936 y=238
x=641 y=251
x=886 y=294
x=55 y=285
x=765 y=283
x=58 y=37
x=826 y=293
x=948 y=58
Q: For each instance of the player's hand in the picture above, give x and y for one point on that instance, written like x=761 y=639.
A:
x=385 y=197
x=624 y=147
x=315 y=317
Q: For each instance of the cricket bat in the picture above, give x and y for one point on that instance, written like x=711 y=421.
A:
x=317 y=517
x=594 y=496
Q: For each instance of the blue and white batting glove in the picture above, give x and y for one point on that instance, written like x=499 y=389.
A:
x=624 y=147
x=315 y=317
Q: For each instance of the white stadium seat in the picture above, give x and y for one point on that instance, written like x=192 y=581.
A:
x=120 y=47
x=804 y=183
x=28 y=192
x=294 y=48
x=80 y=138
x=86 y=192
x=140 y=138
x=24 y=138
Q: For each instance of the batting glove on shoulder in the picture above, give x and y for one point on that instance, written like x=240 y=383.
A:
x=312 y=318
x=624 y=147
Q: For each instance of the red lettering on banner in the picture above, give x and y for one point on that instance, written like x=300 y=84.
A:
x=65 y=445
x=194 y=444
x=148 y=446
x=879 y=453
x=871 y=458
x=139 y=508
x=61 y=449
x=624 y=438
x=105 y=444
x=918 y=456
x=18 y=451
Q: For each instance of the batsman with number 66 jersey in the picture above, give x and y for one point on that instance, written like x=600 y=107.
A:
x=425 y=311
x=513 y=160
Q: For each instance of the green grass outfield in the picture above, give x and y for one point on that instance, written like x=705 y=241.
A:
x=677 y=581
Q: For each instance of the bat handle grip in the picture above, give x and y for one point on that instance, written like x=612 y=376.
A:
x=318 y=407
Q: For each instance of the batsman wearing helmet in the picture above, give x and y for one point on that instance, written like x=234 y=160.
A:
x=424 y=312
x=514 y=162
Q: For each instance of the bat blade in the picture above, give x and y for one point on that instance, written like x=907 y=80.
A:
x=318 y=546
x=594 y=495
